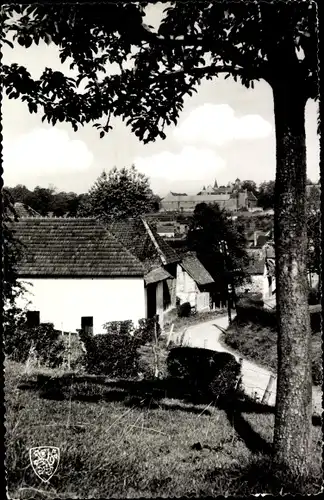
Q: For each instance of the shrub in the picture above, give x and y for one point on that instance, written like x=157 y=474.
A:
x=184 y=310
x=207 y=372
x=44 y=340
x=116 y=353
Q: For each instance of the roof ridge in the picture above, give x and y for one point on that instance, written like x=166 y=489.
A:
x=153 y=239
x=124 y=247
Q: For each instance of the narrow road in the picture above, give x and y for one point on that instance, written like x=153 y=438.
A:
x=254 y=377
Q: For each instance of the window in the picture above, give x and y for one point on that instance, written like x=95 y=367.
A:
x=32 y=319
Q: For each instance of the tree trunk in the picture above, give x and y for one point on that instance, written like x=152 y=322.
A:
x=293 y=420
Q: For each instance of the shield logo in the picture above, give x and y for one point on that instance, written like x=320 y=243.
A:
x=44 y=461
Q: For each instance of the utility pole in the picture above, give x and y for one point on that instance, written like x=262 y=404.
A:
x=226 y=272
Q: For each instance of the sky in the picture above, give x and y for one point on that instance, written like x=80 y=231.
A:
x=225 y=131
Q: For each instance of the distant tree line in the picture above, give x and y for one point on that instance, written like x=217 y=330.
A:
x=118 y=193
x=265 y=192
x=47 y=201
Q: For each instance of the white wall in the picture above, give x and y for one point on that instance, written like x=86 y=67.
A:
x=188 y=291
x=186 y=287
x=258 y=285
x=64 y=301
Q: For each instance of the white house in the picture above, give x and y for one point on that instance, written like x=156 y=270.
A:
x=193 y=281
x=159 y=261
x=78 y=272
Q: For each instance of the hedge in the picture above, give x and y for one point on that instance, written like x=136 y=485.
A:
x=207 y=372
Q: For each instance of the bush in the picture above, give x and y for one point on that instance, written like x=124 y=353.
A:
x=116 y=353
x=184 y=310
x=207 y=372
x=44 y=340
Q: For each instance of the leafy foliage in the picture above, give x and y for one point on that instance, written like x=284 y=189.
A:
x=184 y=310
x=219 y=243
x=250 y=185
x=266 y=195
x=155 y=70
x=116 y=353
x=207 y=372
x=47 y=201
x=120 y=193
x=44 y=341
x=12 y=251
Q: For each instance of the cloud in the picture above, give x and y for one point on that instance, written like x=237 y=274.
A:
x=190 y=164
x=42 y=153
x=216 y=125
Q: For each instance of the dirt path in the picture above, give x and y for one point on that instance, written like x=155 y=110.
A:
x=254 y=377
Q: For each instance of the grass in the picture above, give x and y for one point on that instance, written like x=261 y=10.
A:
x=181 y=323
x=131 y=439
x=259 y=343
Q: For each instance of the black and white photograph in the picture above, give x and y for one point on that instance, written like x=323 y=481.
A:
x=161 y=241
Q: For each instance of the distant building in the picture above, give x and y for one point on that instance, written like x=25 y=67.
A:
x=231 y=198
x=193 y=282
x=261 y=271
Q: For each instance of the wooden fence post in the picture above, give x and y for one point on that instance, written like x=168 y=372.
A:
x=155 y=346
x=267 y=392
x=69 y=352
x=170 y=334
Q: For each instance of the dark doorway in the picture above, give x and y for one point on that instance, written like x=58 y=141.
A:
x=151 y=300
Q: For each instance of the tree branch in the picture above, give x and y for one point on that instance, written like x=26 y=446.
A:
x=191 y=41
x=211 y=71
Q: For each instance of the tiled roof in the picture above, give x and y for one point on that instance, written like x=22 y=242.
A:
x=23 y=210
x=134 y=235
x=178 y=194
x=157 y=274
x=192 y=265
x=72 y=247
x=165 y=229
x=199 y=198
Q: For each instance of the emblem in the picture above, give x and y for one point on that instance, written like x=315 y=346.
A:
x=44 y=461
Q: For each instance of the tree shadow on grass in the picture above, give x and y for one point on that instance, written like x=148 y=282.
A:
x=150 y=394
x=253 y=441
